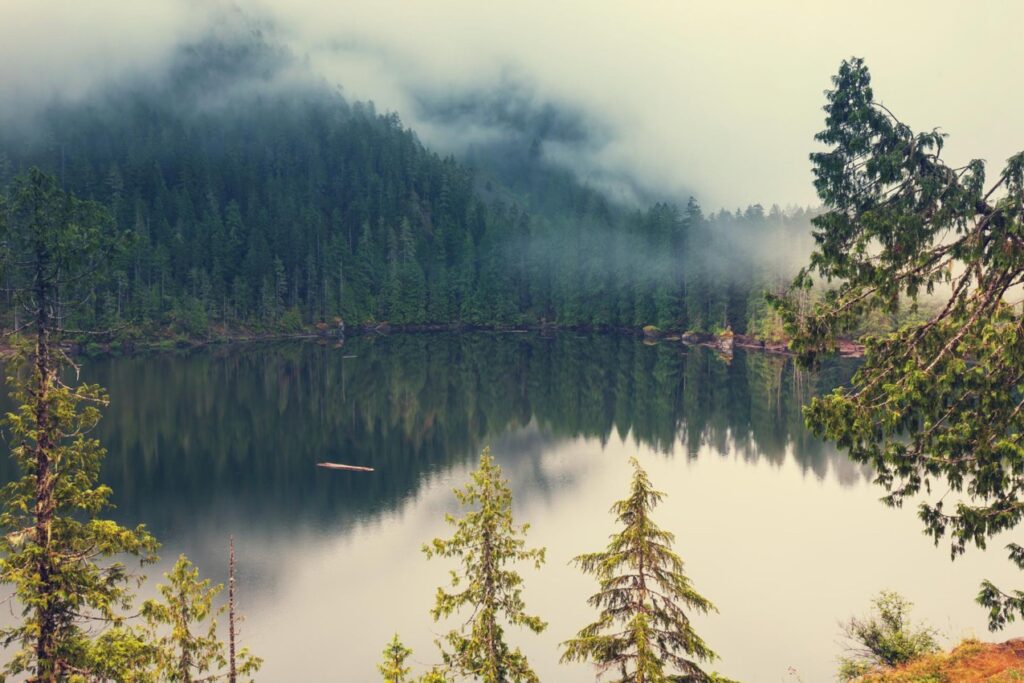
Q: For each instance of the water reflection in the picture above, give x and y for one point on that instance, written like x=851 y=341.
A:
x=245 y=424
x=781 y=531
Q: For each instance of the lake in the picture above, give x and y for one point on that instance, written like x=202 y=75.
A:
x=778 y=529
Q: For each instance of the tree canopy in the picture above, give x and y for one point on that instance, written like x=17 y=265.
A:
x=643 y=632
x=62 y=559
x=272 y=211
x=58 y=553
x=179 y=654
x=486 y=542
x=936 y=408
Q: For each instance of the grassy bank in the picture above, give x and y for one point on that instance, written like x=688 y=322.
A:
x=970 y=662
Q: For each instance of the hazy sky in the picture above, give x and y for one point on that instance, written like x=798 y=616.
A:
x=718 y=98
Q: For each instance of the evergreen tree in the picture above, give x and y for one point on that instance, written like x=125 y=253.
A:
x=56 y=551
x=935 y=409
x=179 y=655
x=643 y=631
x=697 y=273
x=272 y=204
x=393 y=666
x=485 y=541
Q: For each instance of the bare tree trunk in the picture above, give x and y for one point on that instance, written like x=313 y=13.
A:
x=232 y=669
x=642 y=585
x=488 y=600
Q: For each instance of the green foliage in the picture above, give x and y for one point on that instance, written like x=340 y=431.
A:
x=393 y=667
x=433 y=676
x=122 y=654
x=189 y=316
x=765 y=322
x=179 y=654
x=484 y=542
x=61 y=558
x=937 y=402
x=291 y=321
x=885 y=639
x=263 y=204
x=58 y=554
x=643 y=630
x=51 y=239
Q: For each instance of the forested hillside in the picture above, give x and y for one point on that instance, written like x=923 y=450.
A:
x=262 y=202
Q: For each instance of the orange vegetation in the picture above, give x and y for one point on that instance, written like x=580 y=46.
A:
x=970 y=662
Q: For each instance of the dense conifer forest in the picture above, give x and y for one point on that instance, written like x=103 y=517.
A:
x=270 y=204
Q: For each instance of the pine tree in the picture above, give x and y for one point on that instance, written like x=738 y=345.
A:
x=642 y=631
x=179 y=654
x=484 y=542
x=56 y=551
x=433 y=676
x=393 y=666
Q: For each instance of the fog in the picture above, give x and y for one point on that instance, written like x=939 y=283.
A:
x=719 y=100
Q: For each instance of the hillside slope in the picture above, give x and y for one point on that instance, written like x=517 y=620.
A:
x=258 y=197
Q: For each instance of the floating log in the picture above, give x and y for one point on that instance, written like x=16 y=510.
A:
x=350 y=468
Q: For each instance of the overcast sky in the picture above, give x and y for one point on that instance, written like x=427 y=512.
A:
x=716 y=98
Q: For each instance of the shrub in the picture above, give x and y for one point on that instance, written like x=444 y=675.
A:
x=886 y=638
x=189 y=317
x=291 y=321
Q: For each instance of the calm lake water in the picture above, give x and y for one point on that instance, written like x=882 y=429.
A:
x=779 y=530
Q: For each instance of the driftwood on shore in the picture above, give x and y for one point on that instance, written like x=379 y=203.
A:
x=350 y=468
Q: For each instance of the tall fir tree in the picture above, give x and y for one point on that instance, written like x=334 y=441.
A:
x=485 y=542
x=57 y=553
x=643 y=631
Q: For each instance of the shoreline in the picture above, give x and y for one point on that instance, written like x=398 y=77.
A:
x=723 y=343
